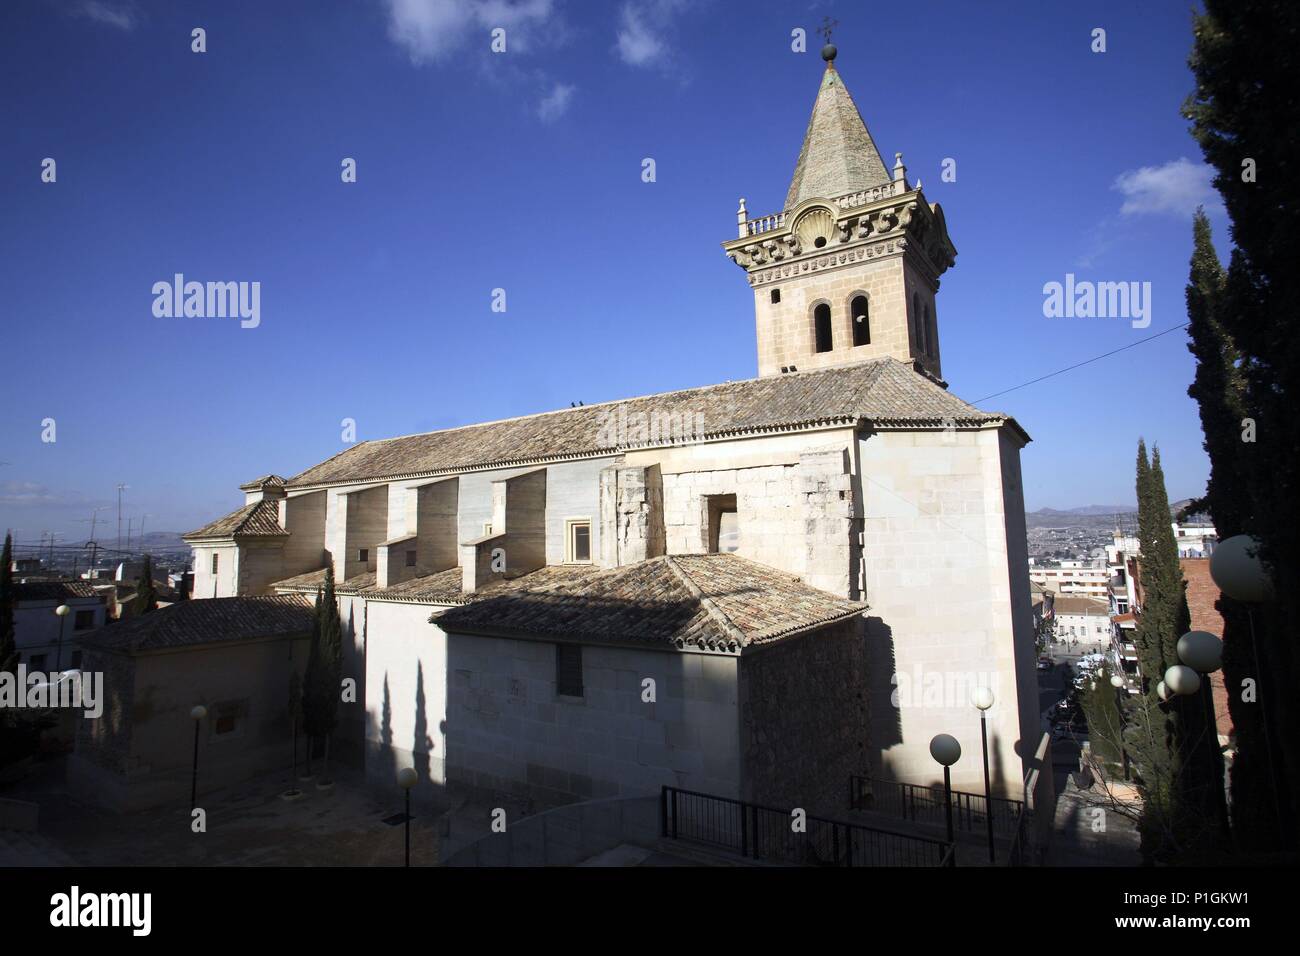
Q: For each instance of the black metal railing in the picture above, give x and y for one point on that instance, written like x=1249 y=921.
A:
x=775 y=836
x=1017 y=855
x=925 y=805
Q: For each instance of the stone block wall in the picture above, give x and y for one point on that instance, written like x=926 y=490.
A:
x=631 y=514
x=785 y=329
x=804 y=718
x=508 y=731
x=942 y=585
x=831 y=552
x=303 y=516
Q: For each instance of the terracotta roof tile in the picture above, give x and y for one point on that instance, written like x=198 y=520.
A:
x=209 y=621
x=259 y=519
x=719 y=601
x=883 y=391
x=52 y=590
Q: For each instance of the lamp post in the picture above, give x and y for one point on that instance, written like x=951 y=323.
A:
x=197 y=713
x=1202 y=652
x=1117 y=681
x=62 y=612
x=406 y=779
x=945 y=749
x=982 y=698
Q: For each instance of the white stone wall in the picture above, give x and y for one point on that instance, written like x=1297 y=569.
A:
x=38 y=630
x=944 y=615
x=509 y=731
x=206 y=585
x=405 y=659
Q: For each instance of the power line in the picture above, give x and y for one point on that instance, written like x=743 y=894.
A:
x=1095 y=358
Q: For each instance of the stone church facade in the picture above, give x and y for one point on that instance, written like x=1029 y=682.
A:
x=751 y=589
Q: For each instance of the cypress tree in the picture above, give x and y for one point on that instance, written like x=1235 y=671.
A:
x=321 y=690
x=331 y=665
x=1245 y=118
x=146 y=595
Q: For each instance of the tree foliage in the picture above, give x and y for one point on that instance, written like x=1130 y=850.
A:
x=1246 y=117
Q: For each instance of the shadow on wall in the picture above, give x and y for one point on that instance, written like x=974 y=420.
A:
x=886 y=723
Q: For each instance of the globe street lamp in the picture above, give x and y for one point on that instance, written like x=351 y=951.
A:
x=406 y=779
x=62 y=611
x=197 y=713
x=982 y=698
x=945 y=749
x=1202 y=653
x=1239 y=573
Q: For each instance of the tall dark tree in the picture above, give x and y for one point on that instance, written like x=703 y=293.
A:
x=324 y=676
x=1219 y=390
x=1246 y=118
x=146 y=593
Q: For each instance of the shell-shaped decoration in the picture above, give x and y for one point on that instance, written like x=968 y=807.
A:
x=815 y=224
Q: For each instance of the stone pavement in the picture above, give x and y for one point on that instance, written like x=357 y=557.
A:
x=247 y=825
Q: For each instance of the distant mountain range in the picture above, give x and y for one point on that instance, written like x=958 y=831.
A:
x=1089 y=510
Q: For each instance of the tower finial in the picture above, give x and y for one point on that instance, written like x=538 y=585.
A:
x=826 y=29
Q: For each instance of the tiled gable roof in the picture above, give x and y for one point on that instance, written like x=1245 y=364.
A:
x=440 y=587
x=266 y=481
x=258 y=519
x=209 y=621
x=52 y=590
x=718 y=601
x=883 y=391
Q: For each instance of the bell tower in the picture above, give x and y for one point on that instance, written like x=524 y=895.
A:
x=850 y=268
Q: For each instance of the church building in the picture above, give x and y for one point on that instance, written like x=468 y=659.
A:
x=751 y=589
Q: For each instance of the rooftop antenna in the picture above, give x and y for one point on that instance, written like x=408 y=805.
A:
x=120 y=488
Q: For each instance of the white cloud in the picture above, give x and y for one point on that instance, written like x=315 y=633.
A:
x=430 y=29
x=556 y=103
x=1177 y=187
x=643 y=29
x=124 y=16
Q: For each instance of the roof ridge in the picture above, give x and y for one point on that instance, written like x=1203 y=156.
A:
x=716 y=613
x=878 y=360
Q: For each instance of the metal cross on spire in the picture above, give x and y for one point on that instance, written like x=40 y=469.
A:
x=827 y=28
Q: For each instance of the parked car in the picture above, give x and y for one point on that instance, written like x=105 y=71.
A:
x=1045 y=664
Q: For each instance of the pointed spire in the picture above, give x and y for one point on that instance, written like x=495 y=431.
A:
x=838 y=155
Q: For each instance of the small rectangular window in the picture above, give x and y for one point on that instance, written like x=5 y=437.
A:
x=363 y=555
x=410 y=559
x=578 y=545
x=487 y=528
x=776 y=296
x=215 y=556
x=568 y=670
x=84 y=621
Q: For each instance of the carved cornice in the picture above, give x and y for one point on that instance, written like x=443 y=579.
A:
x=886 y=227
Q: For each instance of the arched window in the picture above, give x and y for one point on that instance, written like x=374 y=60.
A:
x=822 y=327
x=860 y=312
x=918 y=335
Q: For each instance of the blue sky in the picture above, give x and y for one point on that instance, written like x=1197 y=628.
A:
x=521 y=170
